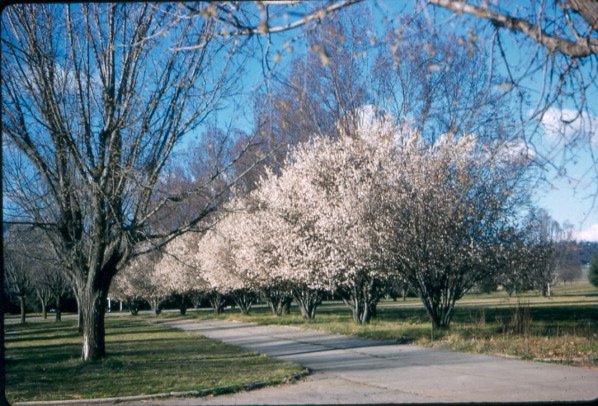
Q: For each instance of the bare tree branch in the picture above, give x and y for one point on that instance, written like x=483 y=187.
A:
x=584 y=47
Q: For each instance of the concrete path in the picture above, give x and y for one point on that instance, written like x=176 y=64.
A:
x=356 y=370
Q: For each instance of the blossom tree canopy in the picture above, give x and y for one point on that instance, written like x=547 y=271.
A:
x=330 y=200
x=456 y=205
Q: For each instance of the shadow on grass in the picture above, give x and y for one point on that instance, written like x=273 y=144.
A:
x=32 y=338
x=141 y=359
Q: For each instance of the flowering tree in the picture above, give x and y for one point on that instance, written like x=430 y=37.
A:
x=328 y=209
x=138 y=282
x=455 y=207
x=177 y=272
x=260 y=257
x=222 y=266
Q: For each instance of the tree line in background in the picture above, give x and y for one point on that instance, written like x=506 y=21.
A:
x=34 y=283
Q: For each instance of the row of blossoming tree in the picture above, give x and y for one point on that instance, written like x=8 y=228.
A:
x=353 y=214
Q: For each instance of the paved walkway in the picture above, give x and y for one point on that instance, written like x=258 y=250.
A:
x=356 y=370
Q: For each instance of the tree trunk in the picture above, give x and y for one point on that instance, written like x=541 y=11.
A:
x=133 y=305
x=79 y=321
x=244 y=298
x=277 y=297
x=362 y=297
x=156 y=304
x=308 y=301
x=93 y=310
x=277 y=301
x=217 y=302
x=57 y=299
x=182 y=302
x=23 y=305
x=286 y=305
x=440 y=313
x=79 y=313
x=43 y=301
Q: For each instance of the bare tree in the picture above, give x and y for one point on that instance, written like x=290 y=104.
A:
x=569 y=268
x=50 y=283
x=438 y=82
x=324 y=83
x=94 y=102
x=541 y=233
x=19 y=277
x=453 y=215
x=566 y=254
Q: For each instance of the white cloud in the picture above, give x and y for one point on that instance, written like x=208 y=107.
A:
x=588 y=234
x=567 y=125
x=515 y=149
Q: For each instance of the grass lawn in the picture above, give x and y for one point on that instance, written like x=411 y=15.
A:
x=43 y=362
x=562 y=328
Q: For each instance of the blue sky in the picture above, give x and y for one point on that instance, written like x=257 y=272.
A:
x=570 y=196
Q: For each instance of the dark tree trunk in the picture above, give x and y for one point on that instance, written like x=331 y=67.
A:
x=58 y=300
x=362 y=297
x=286 y=305
x=80 y=321
x=440 y=310
x=244 y=298
x=23 y=305
x=277 y=299
x=79 y=313
x=93 y=310
x=133 y=305
x=439 y=289
x=217 y=300
x=182 y=303
x=308 y=300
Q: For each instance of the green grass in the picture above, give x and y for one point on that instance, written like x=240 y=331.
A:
x=562 y=328
x=43 y=362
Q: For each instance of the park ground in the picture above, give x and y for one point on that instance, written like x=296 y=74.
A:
x=146 y=357
x=562 y=328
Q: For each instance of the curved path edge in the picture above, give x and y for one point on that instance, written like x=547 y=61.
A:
x=354 y=370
